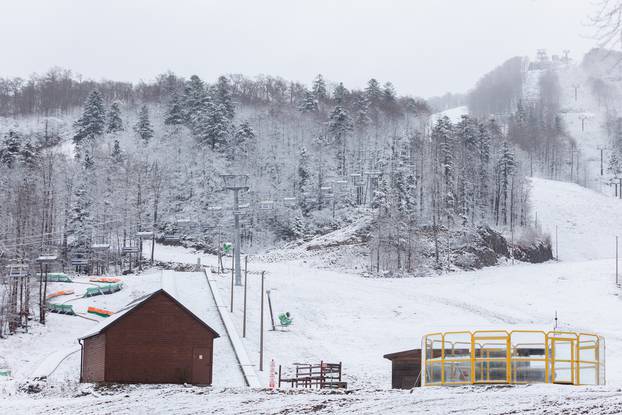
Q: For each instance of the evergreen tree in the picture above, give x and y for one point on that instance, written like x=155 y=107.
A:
x=614 y=167
x=115 y=123
x=143 y=126
x=28 y=155
x=92 y=122
x=81 y=227
x=194 y=99
x=211 y=125
x=174 y=112
x=506 y=166
x=244 y=137
x=373 y=92
x=298 y=227
x=9 y=152
x=483 y=150
x=362 y=119
x=223 y=96
x=340 y=94
x=389 y=99
x=319 y=88
x=443 y=137
x=374 y=95
x=309 y=103
x=116 y=155
x=304 y=172
x=339 y=126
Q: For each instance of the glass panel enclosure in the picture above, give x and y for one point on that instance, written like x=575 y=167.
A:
x=520 y=356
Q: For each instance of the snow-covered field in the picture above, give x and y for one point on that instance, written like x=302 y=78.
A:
x=340 y=316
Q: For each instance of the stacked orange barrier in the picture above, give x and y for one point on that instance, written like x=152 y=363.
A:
x=105 y=279
x=59 y=293
x=100 y=312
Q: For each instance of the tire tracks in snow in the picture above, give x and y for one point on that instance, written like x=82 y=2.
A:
x=493 y=316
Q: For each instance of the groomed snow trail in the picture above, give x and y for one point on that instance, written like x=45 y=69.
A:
x=587 y=221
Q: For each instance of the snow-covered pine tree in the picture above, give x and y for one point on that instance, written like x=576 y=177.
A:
x=339 y=126
x=210 y=125
x=143 y=126
x=362 y=119
x=340 y=94
x=483 y=151
x=389 y=100
x=93 y=120
x=115 y=123
x=81 y=227
x=505 y=168
x=28 y=155
x=10 y=149
x=374 y=94
x=244 y=140
x=174 y=112
x=443 y=138
x=193 y=101
x=309 y=103
x=320 y=92
x=614 y=167
x=222 y=96
x=116 y=155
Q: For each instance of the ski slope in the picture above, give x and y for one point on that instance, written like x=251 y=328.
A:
x=587 y=221
x=341 y=316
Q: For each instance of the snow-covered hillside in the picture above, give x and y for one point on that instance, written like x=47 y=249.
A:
x=343 y=317
x=587 y=221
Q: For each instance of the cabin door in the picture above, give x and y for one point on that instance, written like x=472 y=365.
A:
x=202 y=366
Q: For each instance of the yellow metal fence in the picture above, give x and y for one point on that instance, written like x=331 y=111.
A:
x=513 y=357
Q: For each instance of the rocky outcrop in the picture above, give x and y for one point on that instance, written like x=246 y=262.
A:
x=537 y=252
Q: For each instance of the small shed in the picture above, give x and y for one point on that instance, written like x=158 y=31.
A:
x=405 y=369
x=156 y=339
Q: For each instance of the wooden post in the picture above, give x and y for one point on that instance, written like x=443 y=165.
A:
x=232 y=278
x=261 y=324
x=152 y=247
x=617 y=281
x=245 y=289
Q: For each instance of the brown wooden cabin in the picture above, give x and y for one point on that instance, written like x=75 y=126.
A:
x=155 y=340
x=405 y=369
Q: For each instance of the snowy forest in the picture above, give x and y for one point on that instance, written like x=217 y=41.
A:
x=96 y=162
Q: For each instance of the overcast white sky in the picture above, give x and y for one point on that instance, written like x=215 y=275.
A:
x=425 y=47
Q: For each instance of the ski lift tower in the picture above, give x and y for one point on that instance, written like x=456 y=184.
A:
x=236 y=182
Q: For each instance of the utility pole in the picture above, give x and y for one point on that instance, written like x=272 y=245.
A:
x=245 y=289
x=556 y=245
x=583 y=117
x=601 y=160
x=576 y=90
x=232 y=279
x=261 y=324
x=236 y=182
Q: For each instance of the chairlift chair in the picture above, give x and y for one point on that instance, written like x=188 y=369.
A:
x=289 y=201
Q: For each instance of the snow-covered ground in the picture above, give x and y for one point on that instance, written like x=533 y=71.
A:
x=454 y=114
x=341 y=316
